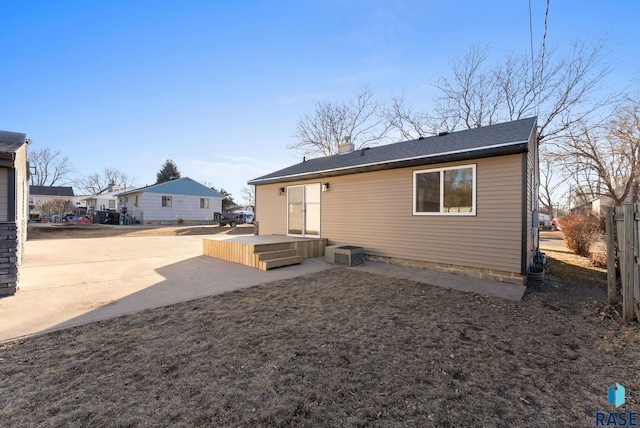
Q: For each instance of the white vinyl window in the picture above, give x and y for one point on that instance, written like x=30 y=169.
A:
x=166 y=201
x=204 y=203
x=445 y=191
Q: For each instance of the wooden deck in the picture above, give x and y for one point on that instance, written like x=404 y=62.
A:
x=264 y=252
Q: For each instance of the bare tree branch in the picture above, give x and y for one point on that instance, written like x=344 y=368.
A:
x=471 y=97
x=51 y=168
x=549 y=184
x=559 y=90
x=96 y=182
x=357 y=120
x=605 y=159
x=248 y=194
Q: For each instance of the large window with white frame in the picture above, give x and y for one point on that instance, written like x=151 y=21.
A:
x=445 y=191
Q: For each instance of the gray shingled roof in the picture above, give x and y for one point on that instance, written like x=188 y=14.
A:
x=11 y=141
x=493 y=140
x=51 y=190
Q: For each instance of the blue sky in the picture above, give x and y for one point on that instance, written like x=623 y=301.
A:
x=218 y=87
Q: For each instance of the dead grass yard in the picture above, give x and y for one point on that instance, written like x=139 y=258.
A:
x=338 y=348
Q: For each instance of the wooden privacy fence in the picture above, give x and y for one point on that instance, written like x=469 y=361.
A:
x=623 y=230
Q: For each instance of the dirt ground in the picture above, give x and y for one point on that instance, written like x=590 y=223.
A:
x=337 y=348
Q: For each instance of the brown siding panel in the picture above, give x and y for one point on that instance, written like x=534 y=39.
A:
x=374 y=210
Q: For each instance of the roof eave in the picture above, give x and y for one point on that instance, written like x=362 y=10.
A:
x=520 y=147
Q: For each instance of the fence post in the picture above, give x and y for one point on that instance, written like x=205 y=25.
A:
x=611 y=255
x=629 y=264
x=636 y=267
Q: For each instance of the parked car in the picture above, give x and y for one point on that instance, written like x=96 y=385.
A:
x=248 y=215
x=106 y=217
x=231 y=219
x=69 y=217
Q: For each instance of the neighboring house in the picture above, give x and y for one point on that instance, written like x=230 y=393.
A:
x=178 y=201
x=601 y=202
x=40 y=195
x=80 y=204
x=14 y=208
x=544 y=220
x=107 y=199
x=462 y=202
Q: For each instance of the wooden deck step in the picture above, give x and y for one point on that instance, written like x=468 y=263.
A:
x=259 y=248
x=275 y=254
x=280 y=262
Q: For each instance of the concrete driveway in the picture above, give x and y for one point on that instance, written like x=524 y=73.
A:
x=552 y=241
x=69 y=282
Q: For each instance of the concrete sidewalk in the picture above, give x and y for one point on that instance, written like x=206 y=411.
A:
x=485 y=287
x=69 y=282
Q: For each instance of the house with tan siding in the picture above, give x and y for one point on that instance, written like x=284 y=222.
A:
x=462 y=202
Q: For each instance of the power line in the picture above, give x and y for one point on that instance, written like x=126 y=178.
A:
x=533 y=72
x=542 y=52
x=544 y=39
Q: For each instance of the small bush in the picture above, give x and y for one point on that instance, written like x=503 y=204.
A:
x=598 y=259
x=581 y=230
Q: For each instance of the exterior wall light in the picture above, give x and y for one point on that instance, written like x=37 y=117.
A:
x=325 y=187
x=281 y=191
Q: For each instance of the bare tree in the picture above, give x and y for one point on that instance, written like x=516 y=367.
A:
x=471 y=97
x=549 y=186
x=559 y=90
x=51 y=168
x=605 y=159
x=358 y=121
x=248 y=194
x=407 y=123
x=97 y=182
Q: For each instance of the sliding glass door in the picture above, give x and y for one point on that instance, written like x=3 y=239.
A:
x=303 y=205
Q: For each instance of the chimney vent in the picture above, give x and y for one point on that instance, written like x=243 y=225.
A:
x=346 y=147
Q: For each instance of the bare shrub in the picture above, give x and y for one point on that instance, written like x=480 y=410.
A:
x=598 y=259
x=581 y=230
x=57 y=206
